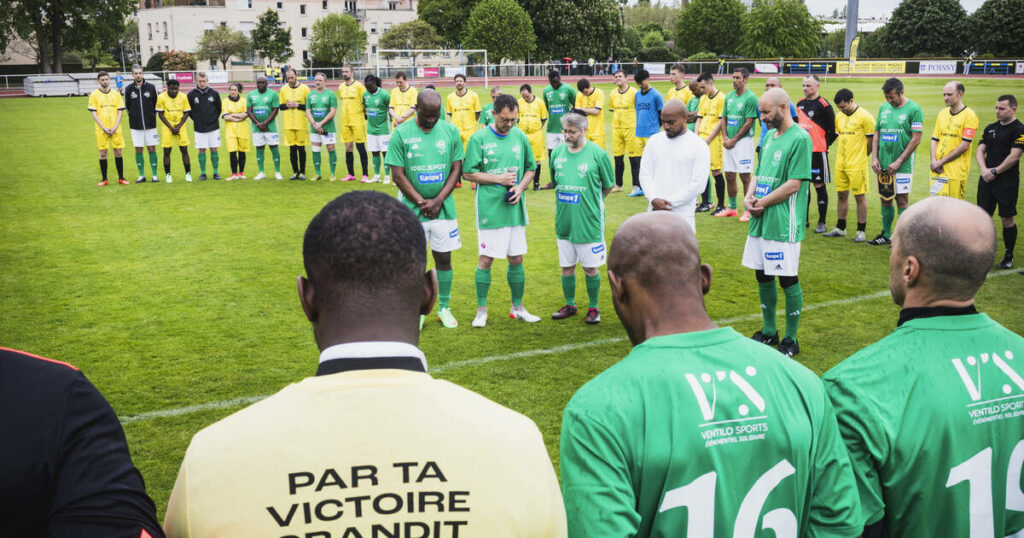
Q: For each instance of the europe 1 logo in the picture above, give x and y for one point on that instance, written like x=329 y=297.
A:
x=746 y=421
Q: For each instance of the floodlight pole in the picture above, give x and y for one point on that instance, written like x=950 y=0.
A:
x=852 y=7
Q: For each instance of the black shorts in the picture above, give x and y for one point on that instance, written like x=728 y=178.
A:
x=819 y=167
x=1002 y=191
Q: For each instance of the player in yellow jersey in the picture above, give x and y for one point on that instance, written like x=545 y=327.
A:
x=236 y=132
x=105 y=105
x=680 y=88
x=294 y=122
x=709 y=128
x=532 y=116
x=590 y=100
x=855 y=128
x=353 y=122
x=403 y=101
x=172 y=109
x=954 y=131
x=621 y=102
x=463 y=109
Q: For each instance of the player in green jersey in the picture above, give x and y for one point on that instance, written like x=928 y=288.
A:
x=426 y=162
x=583 y=176
x=559 y=99
x=262 y=106
x=500 y=160
x=897 y=134
x=933 y=414
x=321 y=106
x=698 y=432
x=738 y=116
x=487 y=112
x=777 y=201
x=375 y=103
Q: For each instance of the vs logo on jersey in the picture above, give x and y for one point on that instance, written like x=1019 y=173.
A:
x=732 y=409
x=995 y=388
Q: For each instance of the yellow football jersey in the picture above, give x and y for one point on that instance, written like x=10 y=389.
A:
x=595 y=124
x=464 y=109
x=683 y=94
x=172 y=107
x=350 y=103
x=852 y=144
x=238 y=129
x=950 y=130
x=623 y=107
x=293 y=118
x=106 y=105
x=532 y=115
x=709 y=110
x=401 y=101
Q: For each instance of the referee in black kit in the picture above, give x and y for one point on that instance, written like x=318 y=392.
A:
x=65 y=470
x=998 y=158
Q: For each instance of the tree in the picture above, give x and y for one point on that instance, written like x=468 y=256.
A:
x=220 y=44
x=179 y=60
x=643 y=15
x=872 y=45
x=631 y=39
x=127 y=44
x=655 y=27
x=336 y=39
x=710 y=25
x=653 y=39
x=835 y=44
x=503 y=28
x=780 y=28
x=575 y=28
x=930 y=27
x=997 y=27
x=447 y=17
x=416 y=34
x=269 y=40
x=156 y=62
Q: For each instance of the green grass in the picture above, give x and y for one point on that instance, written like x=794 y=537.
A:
x=183 y=294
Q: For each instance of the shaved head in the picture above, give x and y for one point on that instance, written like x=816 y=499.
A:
x=772 y=82
x=674 y=106
x=776 y=97
x=952 y=244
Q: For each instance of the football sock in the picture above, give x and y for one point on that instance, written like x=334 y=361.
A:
x=152 y=162
x=188 y=167
x=720 y=189
x=293 y=158
x=888 y=212
x=241 y=162
x=769 y=297
x=259 y=159
x=841 y=224
x=140 y=163
x=214 y=161
x=361 y=148
x=332 y=155
x=444 y=288
x=350 y=160
x=536 y=175
x=822 y=203
x=705 y=197
x=301 y=154
x=620 y=168
x=119 y=163
x=861 y=226
x=316 y=162
x=275 y=153
x=634 y=168
x=516 y=276
x=202 y=162
x=593 y=289
x=483 y=285
x=376 y=164
x=569 y=289
x=234 y=162
x=103 y=169
x=900 y=210
x=167 y=164
x=794 y=304
x=1010 y=239
x=732 y=202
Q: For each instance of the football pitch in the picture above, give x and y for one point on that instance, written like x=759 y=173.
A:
x=179 y=300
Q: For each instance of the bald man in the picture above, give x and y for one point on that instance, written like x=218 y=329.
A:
x=932 y=413
x=773 y=82
x=777 y=201
x=816 y=115
x=650 y=446
x=951 y=141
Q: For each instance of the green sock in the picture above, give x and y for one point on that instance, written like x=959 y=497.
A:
x=887 y=215
x=444 y=288
x=140 y=162
x=516 y=276
x=569 y=289
x=215 y=160
x=276 y=154
x=900 y=211
x=732 y=202
x=794 y=304
x=316 y=162
x=333 y=156
x=202 y=162
x=483 y=284
x=593 y=289
x=376 y=164
x=259 y=159
x=769 y=297
x=152 y=161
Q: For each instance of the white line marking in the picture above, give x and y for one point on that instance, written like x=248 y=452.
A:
x=222 y=404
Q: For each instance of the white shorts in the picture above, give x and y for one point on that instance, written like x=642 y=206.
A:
x=903 y=183
x=208 y=140
x=502 y=242
x=318 y=139
x=442 y=235
x=741 y=157
x=554 y=139
x=776 y=258
x=145 y=138
x=588 y=255
x=263 y=139
x=377 y=142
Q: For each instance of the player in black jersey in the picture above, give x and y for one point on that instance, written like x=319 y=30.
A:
x=998 y=156
x=819 y=119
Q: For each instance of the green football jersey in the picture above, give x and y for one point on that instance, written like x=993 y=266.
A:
x=933 y=416
x=736 y=111
x=487 y=114
x=705 y=434
x=489 y=152
x=559 y=103
x=319 y=105
x=427 y=159
x=693 y=106
x=376 y=105
x=262 y=105
x=580 y=179
x=785 y=157
x=895 y=127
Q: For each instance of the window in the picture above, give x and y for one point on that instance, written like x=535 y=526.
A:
x=208 y=26
x=325 y=5
x=302 y=9
x=350 y=6
x=305 y=55
x=244 y=4
x=246 y=28
x=280 y=4
x=373 y=28
x=165 y=30
x=373 y=49
x=387 y=26
x=223 y=24
x=149 y=27
x=150 y=51
x=303 y=32
x=392 y=6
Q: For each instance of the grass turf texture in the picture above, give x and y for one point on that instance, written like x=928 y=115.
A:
x=175 y=295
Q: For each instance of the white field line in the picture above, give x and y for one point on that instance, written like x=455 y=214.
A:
x=222 y=404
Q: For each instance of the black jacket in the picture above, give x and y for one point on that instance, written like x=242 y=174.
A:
x=205 y=109
x=820 y=111
x=141 y=106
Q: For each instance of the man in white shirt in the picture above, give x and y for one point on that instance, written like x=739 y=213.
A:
x=372 y=445
x=674 y=167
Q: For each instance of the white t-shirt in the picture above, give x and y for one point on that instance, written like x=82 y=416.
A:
x=675 y=169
